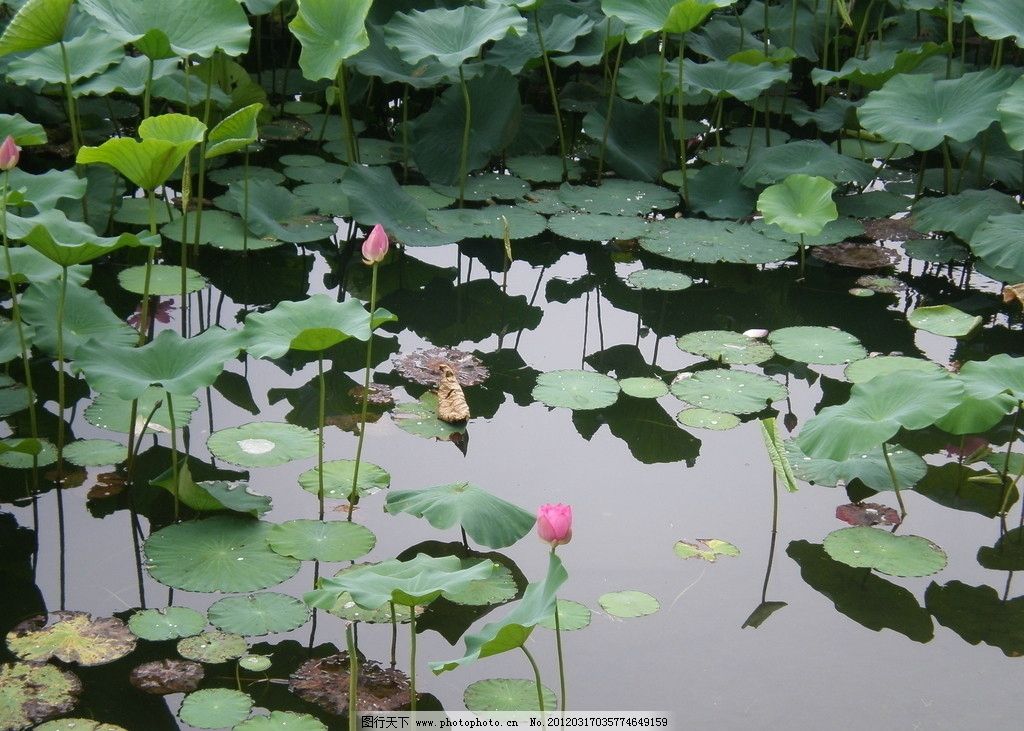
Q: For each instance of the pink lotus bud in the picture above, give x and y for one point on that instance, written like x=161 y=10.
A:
x=375 y=246
x=554 y=523
x=9 y=154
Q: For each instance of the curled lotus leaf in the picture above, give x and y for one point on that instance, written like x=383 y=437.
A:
x=709 y=549
x=71 y=637
x=163 y=677
x=30 y=692
x=324 y=683
x=424 y=366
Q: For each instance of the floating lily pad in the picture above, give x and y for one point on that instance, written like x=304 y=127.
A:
x=486 y=223
x=163 y=677
x=168 y=623
x=338 y=479
x=420 y=418
x=486 y=186
x=227 y=176
x=708 y=419
x=709 y=549
x=659 y=279
x=281 y=721
x=542 y=168
x=865 y=369
x=944 y=320
x=221 y=553
x=221 y=230
x=643 y=387
x=737 y=392
x=816 y=345
x=30 y=692
x=726 y=347
x=881 y=550
x=580 y=226
x=164 y=280
x=78 y=724
x=618 y=197
x=24 y=454
x=258 y=614
x=215 y=708
x=628 y=603
x=571 y=616
x=707 y=242
x=95 y=452
x=71 y=637
x=1007 y=554
x=324 y=682
x=507 y=694
x=497 y=588
x=317 y=540
x=213 y=647
x=574 y=389
x=429 y=198
x=255 y=663
x=263 y=444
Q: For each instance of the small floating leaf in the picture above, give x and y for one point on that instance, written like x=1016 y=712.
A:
x=880 y=550
x=643 y=387
x=338 y=479
x=317 y=540
x=574 y=389
x=944 y=320
x=659 y=279
x=628 y=604
x=95 y=452
x=164 y=280
x=726 y=347
x=708 y=419
x=571 y=616
x=506 y=694
x=709 y=549
x=258 y=614
x=168 y=623
x=263 y=444
x=254 y=663
x=213 y=647
x=215 y=708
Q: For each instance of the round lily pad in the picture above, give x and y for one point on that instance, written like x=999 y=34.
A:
x=258 y=614
x=110 y=412
x=944 y=320
x=659 y=279
x=164 y=280
x=263 y=444
x=737 y=392
x=169 y=623
x=254 y=663
x=936 y=251
x=77 y=724
x=619 y=197
x=428 y=197
x=506 y=694
x=865 y=369
x=628 y=603
x=213 y=647
x=215 y=708
x=32 y=692
x=72 y=637
x=725 y=346
x=542 y=168
x=571 y=616
x=95 y=452
x=318 y=540
x=707 y=242
x=222 y=553
x=707 y=419
x=878 y=549
x=816 y=345
x=643 y=387
x=484 y=186
x=21 y=460
x=281 y=721
x=574 y=389
x=580 y=226
x=861 y=292
x=489 y=222
x=338 y=479
x=238 y=173
x=497 y=588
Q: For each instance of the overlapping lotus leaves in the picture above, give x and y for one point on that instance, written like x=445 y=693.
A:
x=992 y=389
x=944 y=320
x=726 y=347
x=329 y=33
x=381 y=60
x=996 y=242
x=865 y=369
x=375 y=197
x=1011 y=115
x=110 y=412
x=450 y=36
x=644 y=17
x=716 y=192
x=221 y=553
x=832 y=232
x=24 y=132
x=800 y=204
x=996 y=19
x=574 y=389
x=489 y=186
x=707 y=242
x=66 y=242
x=628 y=604
x=868 y=466
x=810 y=157
x=213 y=647
x=877 y=410
x=276 y=213
x=175 y=27
x=46 y=190
x=24 y=453
x=708 y=419
x=72 y=637
x=263 y=444
x=420 y=418
x=215 y=708
x=221 y=230
x=537 y=605
x=538 y=168
x=30 y=692
x=87 y=55
x=921 y=111
x=816 y=345
x=420 y=580
x=731 y=79
x=281 y=721
x=618 y=197
x=732 y=391
x=507 y=694
x=86 y=316
x=167 y=623
x=258 y=614
x=873 y=548
x=338 y=476
x=314 y=324
x=882 y=63
x=488 y=520
x=962 y=213
x=319 y=540
x=497 y=588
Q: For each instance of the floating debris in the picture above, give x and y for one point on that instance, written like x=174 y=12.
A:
x=424 y=366
x=451 y=401
x=857 y=256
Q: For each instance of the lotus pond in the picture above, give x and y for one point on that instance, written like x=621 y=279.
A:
x=311 y=306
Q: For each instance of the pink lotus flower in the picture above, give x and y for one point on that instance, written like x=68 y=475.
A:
x=9 y=154
x=375 y=246
x=554 y=523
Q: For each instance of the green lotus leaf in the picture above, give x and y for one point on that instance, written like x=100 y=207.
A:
x=235 y=496
x=488 y=520
x=167 y=623
x=539 y=168
x=381 y=60
x=221 y=230
x=816 y=345
x=113 y=413
x=730 y=79
x=164 y=280
x=176 y=364
x=992 y=389
x=95 y=452
x=327 y=198
x=30 y=692
x=571 y=616
x=324 y=172
x=47 y=190
x=659 y=279
x=277 y=213
x=489 y=186
x=14 y=396
x=314 y=324
x=420 y=418
x=85 y=316
x=25 y=453
x=735 y=392
x=281 y=721
x=487 y=223
x=213 y=647
x=348 y=610
x=338 y=479
x=944 y=320
x=921 y=111
x=574 y=389
x=174 y=27
x=996 y=242
x=865 y=369
x=962 y=213
x=644 y=17
x=317 y=540
x=775 y=446
x=833 y=232
x=215 y=708
x=708 y=549
x=707 y=242
x=873 y=548
x=811 y=157
x=428 y=197
x=254 y=664
x=716 y=192
x=708 y=419
x=868 y=466
x=498 y=588
x=450 y=36
x=800 y=204
x=87 y=55
x=375 y=197
x=37 y=23
x=725 y=347
x=619 y=197
x=73 y=637
x=329 y=33
x=263 y=444
x=1011 y=115
x=877 y=410
x=644 y=78
x=628 y=604
x=643 y=387
x=1007 y=554
x=996 y=19
x=77 y=724
x=507 y=694
x=67 y=242
x=881 y=64
x=630 y=139
x=235 y=132
x=221 y=553
x=596 y=226
x=418 y=581
x=258 y=614
x=536 y=606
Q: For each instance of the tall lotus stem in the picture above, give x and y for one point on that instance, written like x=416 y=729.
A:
x=144 y=305
x=186 y=193
x=346 y=118
x=61 y=301
x=321 y=409
x=147 y=93
x=464 y=154
x=895 y=482
x=536 y=675
x=1004 y=472
x=174 y=452
x=353 y=496
x=76 y=135
x=554 y=95
x=245 y=203
x=680 y=118
x=412 y=658
x=353 y=678
x=558 y=647
x=662 y=143
x=608 y=113
x=202 y=164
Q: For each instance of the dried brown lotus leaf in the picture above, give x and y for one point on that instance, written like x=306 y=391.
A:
x=324 y=682
x=1013 y=292
x=162 y=677
x=451 y=401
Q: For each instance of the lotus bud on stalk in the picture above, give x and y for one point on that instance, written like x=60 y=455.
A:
x=554 y=523
x=10 y=153
x=375 y=246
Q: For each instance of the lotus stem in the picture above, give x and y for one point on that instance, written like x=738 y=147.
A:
x=76 y=135
x=186 y=192
x=558 y=649
x=174 y=453
x=775 y=534
x=803 y=255
x=144 y=305
x=464 y=154
x=947 y=167
x=860 y=32
x=350 y=135
x=147 y=93
x=412 y=658
x=245 y=203
x=895 y=482
x=353 y=679
x=353 y=496
x=680 y=119
x=394 y=633
x=201 y=185
x=949 y=38
x=662 y=143
x=554 y=95
x=61 y=301
x=536 y=675
x=608 y=113
x=320 y=431
x=405 y=133
x=1005 y=470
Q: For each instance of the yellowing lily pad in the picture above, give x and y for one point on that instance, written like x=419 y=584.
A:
x=709 y=549
x=72 y=637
